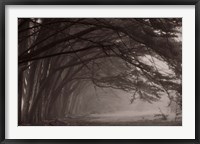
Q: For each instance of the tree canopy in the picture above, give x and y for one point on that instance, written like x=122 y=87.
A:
x=59 y=57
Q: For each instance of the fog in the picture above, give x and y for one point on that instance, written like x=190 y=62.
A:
x=100 y=71
x=107 y=104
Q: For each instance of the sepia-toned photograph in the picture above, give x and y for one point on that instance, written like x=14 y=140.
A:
x=99 y=72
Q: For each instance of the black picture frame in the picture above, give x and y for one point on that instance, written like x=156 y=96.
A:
x=4 y=3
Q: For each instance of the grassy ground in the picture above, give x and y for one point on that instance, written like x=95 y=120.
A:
x=78 y=122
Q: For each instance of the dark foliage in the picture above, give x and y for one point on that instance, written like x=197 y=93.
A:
x=57 y=58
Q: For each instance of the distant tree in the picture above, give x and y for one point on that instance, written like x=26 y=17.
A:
x=161 y=115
